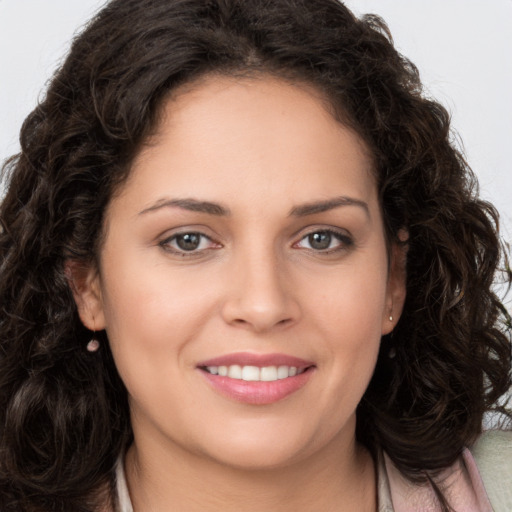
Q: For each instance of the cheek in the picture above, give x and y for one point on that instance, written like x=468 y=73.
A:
x=347 y=318
x=350 y=300
x=142 y=292
x=153 y=314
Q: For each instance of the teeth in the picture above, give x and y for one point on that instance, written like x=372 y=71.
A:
x=268 y=373
x=235 y=371
x=282 y=372
x=254 y=373
x=250 y=373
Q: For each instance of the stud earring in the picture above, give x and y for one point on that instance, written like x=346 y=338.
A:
x=390 y=318
x=93 y=344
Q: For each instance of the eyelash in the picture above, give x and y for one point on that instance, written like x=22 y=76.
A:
x=167 y=243
x=345 y=242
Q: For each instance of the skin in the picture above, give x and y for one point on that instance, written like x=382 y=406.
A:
x=261 y=149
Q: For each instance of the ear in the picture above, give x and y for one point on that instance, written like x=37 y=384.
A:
x=85 y=284
x=397 y=284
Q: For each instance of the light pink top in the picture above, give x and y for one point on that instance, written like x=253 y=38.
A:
x=461 y=483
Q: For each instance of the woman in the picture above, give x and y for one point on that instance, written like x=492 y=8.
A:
x=244 y=269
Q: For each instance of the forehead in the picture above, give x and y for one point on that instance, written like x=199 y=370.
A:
x=252 y=134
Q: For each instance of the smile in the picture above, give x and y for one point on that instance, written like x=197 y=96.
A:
x=255 y=373
x=256 y=379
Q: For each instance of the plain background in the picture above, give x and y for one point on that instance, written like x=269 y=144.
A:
x=461 y=47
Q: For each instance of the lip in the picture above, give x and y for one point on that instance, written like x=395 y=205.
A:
x=260 y=360
x=257 y=392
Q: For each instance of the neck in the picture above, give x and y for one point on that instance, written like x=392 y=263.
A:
x=340 y=478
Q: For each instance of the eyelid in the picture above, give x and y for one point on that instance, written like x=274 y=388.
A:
x=345 y=239
x=165 y=241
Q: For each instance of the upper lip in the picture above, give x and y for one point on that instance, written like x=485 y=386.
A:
x=260 y=360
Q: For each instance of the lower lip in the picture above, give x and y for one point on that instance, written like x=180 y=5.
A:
x=257 y=392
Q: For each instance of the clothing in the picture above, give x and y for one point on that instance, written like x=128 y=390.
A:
x=479 y=481
x=124 y=504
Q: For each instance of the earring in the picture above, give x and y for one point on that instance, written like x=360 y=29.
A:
x=93 y=345
x=390 y=318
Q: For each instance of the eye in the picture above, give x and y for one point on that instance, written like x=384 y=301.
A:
x=188 y=242
x=325 y=241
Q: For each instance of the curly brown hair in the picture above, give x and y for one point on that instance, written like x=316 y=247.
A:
x=63 y=411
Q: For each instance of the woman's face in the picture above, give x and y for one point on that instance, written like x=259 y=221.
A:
x=244 y=280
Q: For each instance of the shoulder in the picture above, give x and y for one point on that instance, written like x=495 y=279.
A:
x=479 y=480
x=493 y=456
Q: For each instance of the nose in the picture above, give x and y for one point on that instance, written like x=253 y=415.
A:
x=260 y=295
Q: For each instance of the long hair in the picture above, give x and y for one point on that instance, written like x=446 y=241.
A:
x=63 y=412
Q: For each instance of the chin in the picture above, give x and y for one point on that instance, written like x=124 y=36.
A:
x=257 y=459
x=265 y=451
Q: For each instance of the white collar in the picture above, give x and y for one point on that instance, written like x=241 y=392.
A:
x=124 y=503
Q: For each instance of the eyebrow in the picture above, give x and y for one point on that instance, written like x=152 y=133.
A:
x=326 y=205
x=189 y=204
x=211 y=208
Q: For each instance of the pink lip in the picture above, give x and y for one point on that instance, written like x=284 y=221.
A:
x=257 y=393
x=260 y=360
